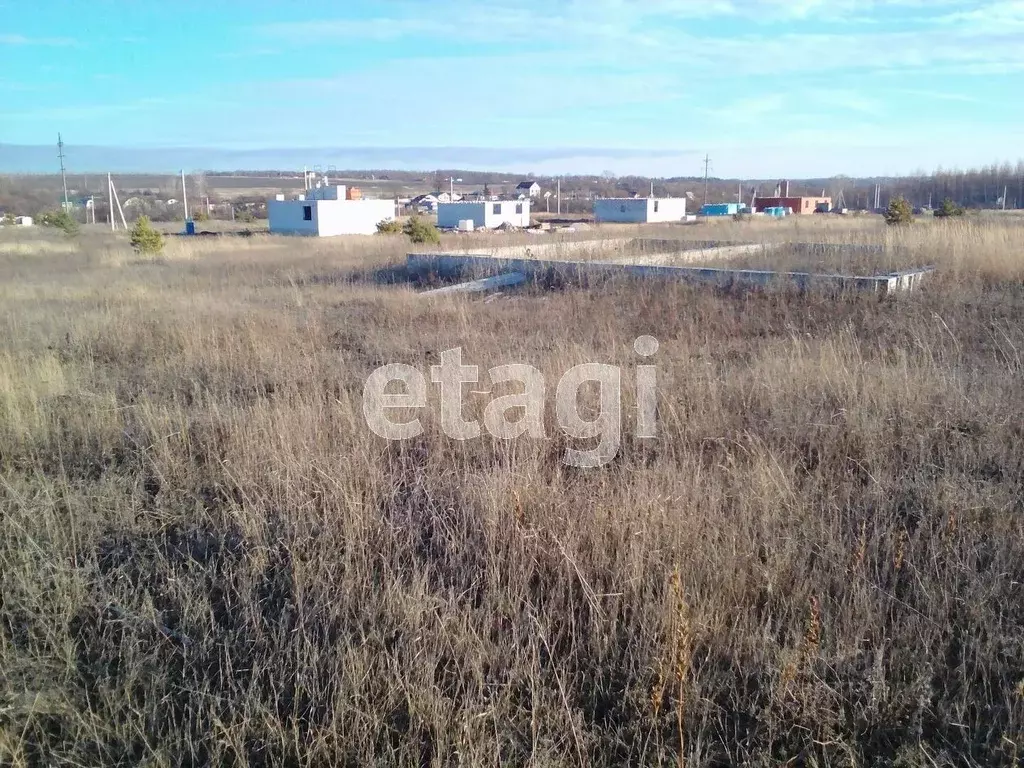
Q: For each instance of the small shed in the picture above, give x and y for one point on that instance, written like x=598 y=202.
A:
x=640 y=210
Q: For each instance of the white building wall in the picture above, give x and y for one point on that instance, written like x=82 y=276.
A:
x=333 y=192
x=285 y=217
x=450 y=214
x=352 y=217
x=668 y=209
x=485 y=215
x=641 y=210
x=628 y=210
x=328 y=217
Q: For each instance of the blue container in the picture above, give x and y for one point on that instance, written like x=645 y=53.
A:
x=190 y=227
x=720 y=209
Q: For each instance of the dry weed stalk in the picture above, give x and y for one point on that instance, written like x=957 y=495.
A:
x=812 y=633
x=682 y=655
x=901 y=549
x=862 y=547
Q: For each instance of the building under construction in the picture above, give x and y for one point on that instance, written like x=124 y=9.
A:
x=796 y=204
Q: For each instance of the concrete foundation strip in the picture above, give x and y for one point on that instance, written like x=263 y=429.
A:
x=515 y=270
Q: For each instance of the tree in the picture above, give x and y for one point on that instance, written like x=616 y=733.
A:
x=947 y=209
x=62 y=220
x=144 y=238
x=389 y=227
x=421 y=231
x=899 y=212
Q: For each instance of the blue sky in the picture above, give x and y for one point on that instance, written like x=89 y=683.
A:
x=767 y=87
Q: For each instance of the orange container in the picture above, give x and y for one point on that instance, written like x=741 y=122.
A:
x=353 y=193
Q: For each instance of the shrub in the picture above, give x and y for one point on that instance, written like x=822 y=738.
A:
x=144 y=238
x=421 y=231
x=244 y=215
x=948 y=209
x=389 y=227
x=899 y=212
x=200 y=215
x=62 y=220
x=7 y=220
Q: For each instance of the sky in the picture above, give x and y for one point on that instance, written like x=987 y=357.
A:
x=767 y=88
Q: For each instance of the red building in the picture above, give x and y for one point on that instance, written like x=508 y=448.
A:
x=798 y=205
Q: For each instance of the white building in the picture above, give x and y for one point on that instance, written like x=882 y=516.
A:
x=484 y=215
x=324 y=212
x=528 y=189
x=23 y=221
x=640 y=210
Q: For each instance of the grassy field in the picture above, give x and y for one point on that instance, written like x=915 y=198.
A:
x=207 y=558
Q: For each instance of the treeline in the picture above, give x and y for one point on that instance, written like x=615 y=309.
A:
x=994 y=186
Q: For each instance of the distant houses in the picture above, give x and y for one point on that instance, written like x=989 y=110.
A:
x=424 y=203
x=528 y=189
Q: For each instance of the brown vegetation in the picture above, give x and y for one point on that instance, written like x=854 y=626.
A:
x=207 y=558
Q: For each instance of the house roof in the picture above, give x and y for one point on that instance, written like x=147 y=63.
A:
x=526 y=184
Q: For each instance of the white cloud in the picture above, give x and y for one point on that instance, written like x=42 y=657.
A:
x=616 y=33
x=14 y=39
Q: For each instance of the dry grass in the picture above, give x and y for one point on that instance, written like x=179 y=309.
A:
x=207 y=558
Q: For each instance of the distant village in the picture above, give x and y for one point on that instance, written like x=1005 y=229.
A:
x=328 y=203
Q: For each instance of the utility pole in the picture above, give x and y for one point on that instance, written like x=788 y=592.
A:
x=63 y=175
x=184 y=194
x=558 y=187
x=707 y=167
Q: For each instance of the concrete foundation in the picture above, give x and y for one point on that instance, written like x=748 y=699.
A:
x=449 y=265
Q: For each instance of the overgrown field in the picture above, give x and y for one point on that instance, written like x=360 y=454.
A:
x=207 y=558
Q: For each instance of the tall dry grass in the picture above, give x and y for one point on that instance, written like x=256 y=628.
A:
x=207 y=558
